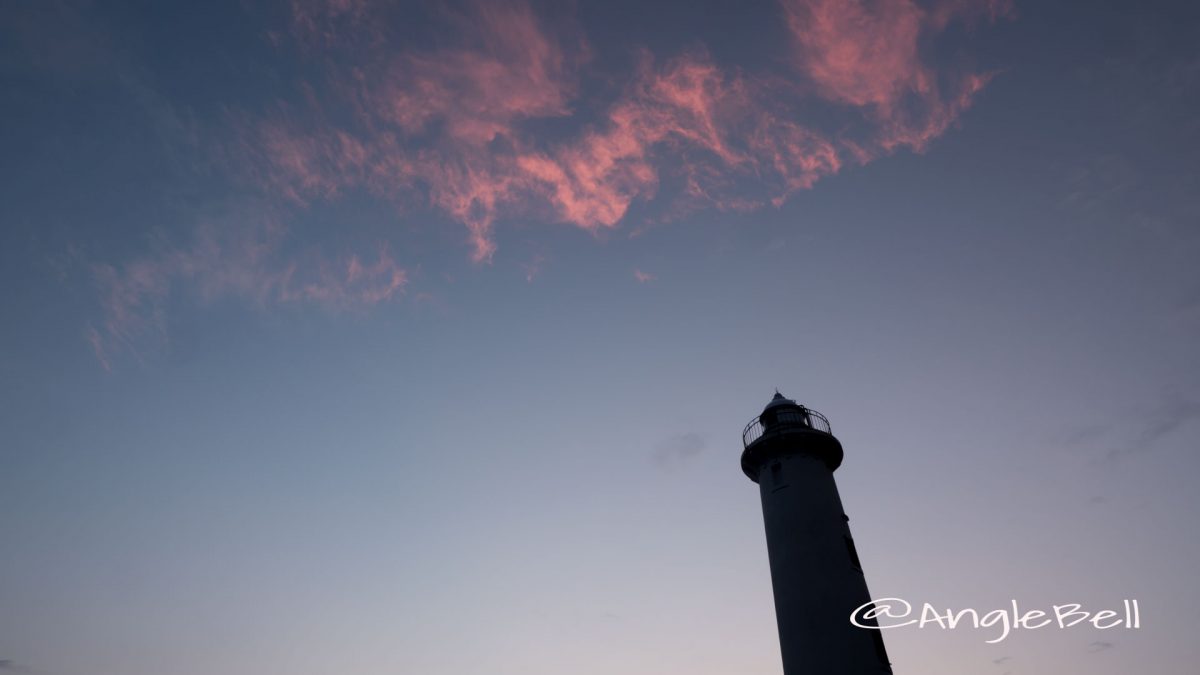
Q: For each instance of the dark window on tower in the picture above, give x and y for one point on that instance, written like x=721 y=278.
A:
x=853 y=553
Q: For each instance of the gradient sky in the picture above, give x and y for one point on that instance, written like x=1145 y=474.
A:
x=353 y=336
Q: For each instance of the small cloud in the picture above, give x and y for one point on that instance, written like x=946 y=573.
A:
x=1099 y=646
x=1174 y=411
x=1001 y=660
x=679 y=449
x=1094 y=185
x=1086 y=435
x=533 y=267
x=643 y=277
x=98 y=348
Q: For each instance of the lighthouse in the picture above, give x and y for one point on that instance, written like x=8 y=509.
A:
x=791 y=453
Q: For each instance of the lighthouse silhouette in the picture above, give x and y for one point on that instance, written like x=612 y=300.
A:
x=817 y=577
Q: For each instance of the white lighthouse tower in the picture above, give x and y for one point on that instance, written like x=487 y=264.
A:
x=815 y=571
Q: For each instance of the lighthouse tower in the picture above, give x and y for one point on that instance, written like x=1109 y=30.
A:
x=815 y=571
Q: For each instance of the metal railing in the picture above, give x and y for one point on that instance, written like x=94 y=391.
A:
x=783 y=421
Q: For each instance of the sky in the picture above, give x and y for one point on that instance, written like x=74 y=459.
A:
x=376 y=337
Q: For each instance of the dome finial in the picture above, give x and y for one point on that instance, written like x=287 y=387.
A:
x=779 y=400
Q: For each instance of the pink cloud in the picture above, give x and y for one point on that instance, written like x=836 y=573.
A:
x=867 y=55
x=307 y=166
x=473 y=189
x=346 y=284
x=917 y=130
x=798 y=155
x=857 y=52
x=460 y=100
x=591 y=182
x=643 y=277
x=509 y=69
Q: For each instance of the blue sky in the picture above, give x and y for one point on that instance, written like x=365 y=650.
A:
x=367 y=337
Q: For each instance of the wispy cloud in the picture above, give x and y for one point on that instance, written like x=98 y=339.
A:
x=643 y=277
x=223 y=261
x=10 y=666
x=679 y=449
x=533 y=266
x=1175 y=410
x=325 y=22
x=1168 y=415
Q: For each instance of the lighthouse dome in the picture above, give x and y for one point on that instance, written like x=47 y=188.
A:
x=779 y=401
